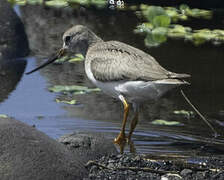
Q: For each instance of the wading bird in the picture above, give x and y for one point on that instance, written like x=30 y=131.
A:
x=120 y=70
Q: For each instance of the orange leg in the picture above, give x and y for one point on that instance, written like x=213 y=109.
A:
x=134 y=122
x=121 y=139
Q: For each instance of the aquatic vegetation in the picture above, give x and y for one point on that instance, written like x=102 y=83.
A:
x=160 y=22
x=74 y=89
x=183 y=13
x=24 y=2
x=71 y=59
x=3 y=116
x=78 y=57
x=72 y=102
x=166 y=123
x=160 y=25
x=62 y=3
x=56 y=3
x=184 y=113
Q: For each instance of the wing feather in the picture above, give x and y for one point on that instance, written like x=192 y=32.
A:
x=114 y=60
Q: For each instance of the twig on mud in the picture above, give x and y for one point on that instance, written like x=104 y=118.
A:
x=145 y=169
x=217 y=174
x=90 y=163
x=136 y=169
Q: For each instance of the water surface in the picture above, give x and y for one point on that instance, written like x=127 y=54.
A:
x=32 y=103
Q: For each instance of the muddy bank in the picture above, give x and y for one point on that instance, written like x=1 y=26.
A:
x=26 y=153
x=132 y=167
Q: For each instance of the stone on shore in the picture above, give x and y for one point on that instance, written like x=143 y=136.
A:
x=26 y=153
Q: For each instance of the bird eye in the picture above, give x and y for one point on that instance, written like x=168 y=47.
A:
x=67 y=39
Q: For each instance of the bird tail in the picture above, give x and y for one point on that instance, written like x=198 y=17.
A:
x=170 y=81
x=179 y=76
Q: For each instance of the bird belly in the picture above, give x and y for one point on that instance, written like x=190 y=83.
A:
x=134 y=91
x=140 y=91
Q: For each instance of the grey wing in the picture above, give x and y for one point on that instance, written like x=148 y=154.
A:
x=114 y=60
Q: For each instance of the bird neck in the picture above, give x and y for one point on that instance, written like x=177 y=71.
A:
x=93 y=39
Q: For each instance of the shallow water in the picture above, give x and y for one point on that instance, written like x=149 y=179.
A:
x=32 y=103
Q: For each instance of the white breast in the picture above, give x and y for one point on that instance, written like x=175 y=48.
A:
x=106 y=87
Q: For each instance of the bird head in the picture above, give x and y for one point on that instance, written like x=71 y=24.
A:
x=75 y=40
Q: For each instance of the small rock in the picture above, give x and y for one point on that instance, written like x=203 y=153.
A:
x=137 y=158
x=88 y=145
x=92 y=176
x=111 y=161
x=110 y=165
x=94 y=169
x=185 y=172
x=126 y=160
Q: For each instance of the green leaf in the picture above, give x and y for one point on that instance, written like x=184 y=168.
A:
x=62 y=59
x=188 y=114
x=153 y=11
x=78 y=57
x=3 y=116
x=72 y=102
x=99 y=3
x=150 y=42
x=20 y=2
x=178 y=31
x=161 y=21
x=72 y=89
x=159 y=34
x=184 y=7
x=166 y=123
x=56 y=3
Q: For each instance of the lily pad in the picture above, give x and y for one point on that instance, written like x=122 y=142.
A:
x=154 y=11
x=57 y=3
x=62 y=60
x=161 y=21
x=71 y=59
x=166 y=123
x=156 y=37
x=78 y=57
x=185 y=113
x=74 y=89
x=3 y=116
x=72 y=102
x=163 y=17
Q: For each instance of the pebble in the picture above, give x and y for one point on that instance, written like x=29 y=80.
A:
x=185 y=172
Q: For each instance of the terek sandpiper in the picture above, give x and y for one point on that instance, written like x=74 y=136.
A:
x=120 y=70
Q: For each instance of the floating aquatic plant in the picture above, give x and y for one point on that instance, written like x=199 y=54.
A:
x=62 y=3
x=156 y=36
x=185 y=113
x=72 y=102
x=159 y=25
x=166 y=123
x=71 y=59
x=3 y=116
x=78 y=57
x=182 y=13
x=74 y=89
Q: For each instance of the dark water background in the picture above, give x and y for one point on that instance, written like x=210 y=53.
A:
x=29 y=100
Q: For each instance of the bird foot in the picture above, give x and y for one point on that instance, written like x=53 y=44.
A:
x=120 y=139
